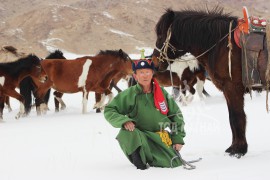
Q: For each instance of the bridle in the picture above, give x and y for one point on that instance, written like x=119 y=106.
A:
x=163 y=51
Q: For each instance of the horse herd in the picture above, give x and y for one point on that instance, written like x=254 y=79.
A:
x=206 y=34
x=98 y=74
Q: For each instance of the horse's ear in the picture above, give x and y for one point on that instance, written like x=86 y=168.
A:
x=170 y=13
x=170 y=16
x=120 y=51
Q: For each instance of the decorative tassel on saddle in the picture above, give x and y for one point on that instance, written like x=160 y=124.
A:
x=230 y=49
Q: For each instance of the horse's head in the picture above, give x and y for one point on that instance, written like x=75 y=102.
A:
x=166 y=45
x=127 y=66
x=160 y=65
x=124 y=56
x=36 y=70
x=120 y=59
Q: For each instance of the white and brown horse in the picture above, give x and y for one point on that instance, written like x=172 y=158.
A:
x=186 y=72
x=85 y=74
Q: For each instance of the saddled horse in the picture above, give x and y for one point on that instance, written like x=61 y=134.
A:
x=12 y=73
x=85 y=74
x=206 y=35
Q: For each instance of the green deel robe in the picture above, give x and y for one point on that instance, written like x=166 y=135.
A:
x=134 y=105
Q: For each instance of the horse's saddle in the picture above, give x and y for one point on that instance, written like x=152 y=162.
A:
x=250 y=36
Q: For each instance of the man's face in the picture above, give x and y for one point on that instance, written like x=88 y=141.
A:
x=144 y=76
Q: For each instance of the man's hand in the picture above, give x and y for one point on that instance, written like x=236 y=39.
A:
x=130 y=126
x=177 y=147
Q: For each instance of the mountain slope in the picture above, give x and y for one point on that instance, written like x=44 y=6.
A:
x=86 y=26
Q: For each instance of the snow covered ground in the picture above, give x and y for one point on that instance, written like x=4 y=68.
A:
x=69 y=145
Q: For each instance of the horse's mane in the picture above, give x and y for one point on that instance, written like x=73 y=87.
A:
x=116 y=53
x=209 y=26
x=57 y=54
x=15 y=68
x=196 y=28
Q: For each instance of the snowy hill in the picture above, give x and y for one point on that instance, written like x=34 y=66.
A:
x=86 y=26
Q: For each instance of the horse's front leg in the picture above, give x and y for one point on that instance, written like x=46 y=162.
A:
x=234 y=95
x=41 y=106
x=184 y=98
x=7 y=103
x=84 y=102
x=16 y=95
x=98 y=98
x=2 y=104
x=108 y=93
x=199 y=88
x=58 y=99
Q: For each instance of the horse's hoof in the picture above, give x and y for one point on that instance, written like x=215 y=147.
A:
x=237 y=150
x=184 y=103
x=56 y=110
x=24 y=115
x=237 y=155
x=98 y=110
x=190 y=99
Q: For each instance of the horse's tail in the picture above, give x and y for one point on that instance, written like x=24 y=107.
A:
x=206 y=93
x=26 y=88
x=131 y=82
x=47 y=96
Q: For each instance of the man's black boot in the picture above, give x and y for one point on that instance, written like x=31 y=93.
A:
x=137 y=161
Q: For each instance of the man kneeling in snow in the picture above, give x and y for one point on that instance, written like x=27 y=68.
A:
x=143 y=112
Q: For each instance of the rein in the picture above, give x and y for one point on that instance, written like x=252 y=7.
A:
x=186 y=164
x=163 y=51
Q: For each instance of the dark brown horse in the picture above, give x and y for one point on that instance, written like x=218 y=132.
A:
x=205 y=35
x=12 y=73
x=85 y=74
